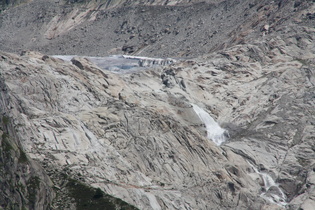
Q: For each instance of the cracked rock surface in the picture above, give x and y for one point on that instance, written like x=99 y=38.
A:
x=138 y=138
x=134 y=139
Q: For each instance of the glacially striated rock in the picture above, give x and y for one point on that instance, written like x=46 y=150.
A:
x=136 y=136
x=24 y=183
x=140 y=140
x=135 y=143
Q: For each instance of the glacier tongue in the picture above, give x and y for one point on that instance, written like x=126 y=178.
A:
x=149 y=62
x=214 y=131
x=122 y=63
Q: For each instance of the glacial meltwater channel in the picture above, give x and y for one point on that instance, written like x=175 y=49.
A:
x=214 y=131
x=272 y=191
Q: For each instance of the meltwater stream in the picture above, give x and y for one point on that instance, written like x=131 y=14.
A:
x=273 y=192
x=214 y=131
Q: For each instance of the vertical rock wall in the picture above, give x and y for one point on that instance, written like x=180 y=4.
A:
x=23 y=183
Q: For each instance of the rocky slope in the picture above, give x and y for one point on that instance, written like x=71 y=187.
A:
x=137 y=137
x=78 y=136
x=149 y=28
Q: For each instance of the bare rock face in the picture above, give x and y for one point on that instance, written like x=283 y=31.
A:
x=136 y=136
x=76 y=134
x=24 y=183
x=131 y=139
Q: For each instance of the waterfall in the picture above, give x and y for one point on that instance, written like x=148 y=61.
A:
x=273 y=192
x=214 y=131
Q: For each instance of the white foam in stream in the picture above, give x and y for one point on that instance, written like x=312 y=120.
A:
x=276 y=195
x=214 y=131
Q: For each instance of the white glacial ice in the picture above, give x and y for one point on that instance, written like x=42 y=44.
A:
x=122 y=63
x=214 y=131
x=149 y=62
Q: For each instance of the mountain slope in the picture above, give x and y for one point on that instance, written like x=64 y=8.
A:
x=120 y=27
x=137 y=137
x=133 y=133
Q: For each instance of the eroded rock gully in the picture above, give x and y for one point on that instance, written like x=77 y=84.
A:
x=136 y=137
